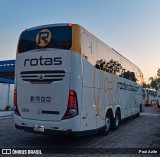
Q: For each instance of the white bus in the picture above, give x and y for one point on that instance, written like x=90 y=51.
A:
x=150 y=96
x=158 y=97
x=68 y=81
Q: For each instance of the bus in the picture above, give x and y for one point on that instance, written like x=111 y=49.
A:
x=158 y=97
x=150 y=96
x=68 y=81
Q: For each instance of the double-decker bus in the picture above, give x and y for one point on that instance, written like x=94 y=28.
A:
x=150 y=96
x=68 y=81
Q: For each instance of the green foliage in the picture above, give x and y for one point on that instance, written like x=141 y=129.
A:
x=144 y=85
x=155 y=82
x=158 y=73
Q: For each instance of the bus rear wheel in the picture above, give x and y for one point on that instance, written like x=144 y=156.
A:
x=116 y=121
x=107 y=125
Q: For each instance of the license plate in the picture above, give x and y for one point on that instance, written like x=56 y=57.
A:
x=39 y=128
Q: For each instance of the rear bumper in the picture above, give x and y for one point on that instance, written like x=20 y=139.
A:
x=69 y=126
x=46 y=131
x=52 y=132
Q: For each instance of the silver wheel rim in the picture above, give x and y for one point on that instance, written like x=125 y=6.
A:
x=107 y=123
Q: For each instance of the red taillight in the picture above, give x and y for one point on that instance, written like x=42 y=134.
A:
x=15 y=97
x=25 y=30
x=72 y=99
x=147 y=100
x=70 y=24
x=72 y=108
x=16 y=111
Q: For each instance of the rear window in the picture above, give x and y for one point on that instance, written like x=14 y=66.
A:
x=59 y=37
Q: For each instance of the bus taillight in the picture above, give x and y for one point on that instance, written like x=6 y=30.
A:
x=70 y=24
x=15 y=97
x=16 y=111
x=25 y=30
x=72 y=108
x=147 y=100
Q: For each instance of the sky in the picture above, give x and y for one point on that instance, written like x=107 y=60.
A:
x=131 y=27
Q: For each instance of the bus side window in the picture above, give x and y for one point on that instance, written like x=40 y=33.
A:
x=89 y=48
x=101 y=62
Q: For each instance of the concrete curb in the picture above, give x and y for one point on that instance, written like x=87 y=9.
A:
x=6 y=113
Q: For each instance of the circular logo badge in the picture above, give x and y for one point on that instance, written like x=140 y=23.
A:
x=43 y=37
x=40 y=77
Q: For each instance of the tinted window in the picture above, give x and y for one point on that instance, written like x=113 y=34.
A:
x=47 y=37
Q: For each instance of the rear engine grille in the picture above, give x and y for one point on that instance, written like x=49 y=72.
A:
x=43 y=76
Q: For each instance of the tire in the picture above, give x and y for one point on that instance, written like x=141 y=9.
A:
x=107 y=125
x=138 y=114
x=116 y=121
x=141 y=108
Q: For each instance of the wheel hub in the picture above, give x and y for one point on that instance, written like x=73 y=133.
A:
x=107 y=124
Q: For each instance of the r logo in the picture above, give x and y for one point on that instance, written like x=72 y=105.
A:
x=43 y=37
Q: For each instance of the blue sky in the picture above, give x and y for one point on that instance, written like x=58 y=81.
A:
x=132 y=27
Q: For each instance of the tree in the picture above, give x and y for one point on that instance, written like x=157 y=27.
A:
x=158 y=73
x=145 y=85
x=155 y=82
x=151 y=79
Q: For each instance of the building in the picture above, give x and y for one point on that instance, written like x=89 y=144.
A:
x=7 y=69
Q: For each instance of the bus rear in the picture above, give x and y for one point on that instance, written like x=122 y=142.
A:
x=150 y=96
x=45 y=99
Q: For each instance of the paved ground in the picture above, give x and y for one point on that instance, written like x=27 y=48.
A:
x=6 y=114
x=134 y=135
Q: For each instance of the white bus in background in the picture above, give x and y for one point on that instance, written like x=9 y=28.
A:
x=150 y=96
x=158 y=97
x=68 y=81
